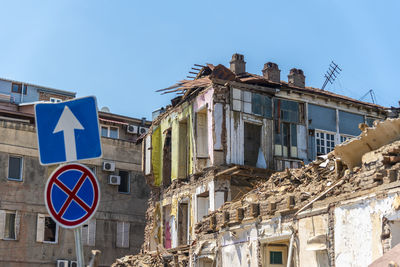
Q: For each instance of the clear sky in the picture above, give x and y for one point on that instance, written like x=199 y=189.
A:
x=122 y=51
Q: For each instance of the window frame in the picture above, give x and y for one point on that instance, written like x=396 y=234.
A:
x=129 y=182
x=5 y=223
x=317 y=131
x=109 y=131
x=56 y=100
x=42 y=239
x=122 y=242
x=21 y=167
x=290 y=126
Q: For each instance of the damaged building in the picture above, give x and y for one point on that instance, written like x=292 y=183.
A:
x=226 y=132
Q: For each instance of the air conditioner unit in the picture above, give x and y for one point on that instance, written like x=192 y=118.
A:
x=143 y=130
x=108 y=166
x=133 y=129
x=114 y=179
x=73 y=264
x=62 y=263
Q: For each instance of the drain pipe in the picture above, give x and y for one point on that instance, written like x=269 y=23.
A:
x=290 y=255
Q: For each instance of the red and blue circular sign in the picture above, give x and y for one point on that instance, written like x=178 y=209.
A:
x=72 y=195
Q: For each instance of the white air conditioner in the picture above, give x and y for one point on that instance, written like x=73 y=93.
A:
x=133 y=129
x=73 y=264
x=114 y=179
x=108 y=166
x=62 y=263
x=143 y=130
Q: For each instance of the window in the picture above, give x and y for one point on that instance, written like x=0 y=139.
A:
x=252 y=143
x=286 y=110
x=15 y=168
x=285 y=139
x=16 y=88
x=47 y=229
x=261 y=105
x=124 y=186
x=203 y=204
x=183 y=150
x=55 y=100
x=201 y=136
x=167 y=155
x=183 y=223
x=344 y=138
x=275 y=255
x=123 y=234
x=325 y=142
x=8 y=225
x=109 y=131
x=88 y=231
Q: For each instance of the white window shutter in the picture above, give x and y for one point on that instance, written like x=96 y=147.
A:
x=120 y=229
x=92 y=232
x=125 y=242
x=40 y=228
x=84 y=234
x=202 y=144
x=17 y=224
x=2 y=223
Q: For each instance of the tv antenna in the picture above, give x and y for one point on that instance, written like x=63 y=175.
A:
x=372 y=94
x=331 y=73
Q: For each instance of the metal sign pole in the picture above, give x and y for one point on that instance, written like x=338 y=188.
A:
x=79 y=247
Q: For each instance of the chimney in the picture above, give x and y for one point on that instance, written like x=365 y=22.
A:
x=296 y=78
x=271 y=72
x=238 y=66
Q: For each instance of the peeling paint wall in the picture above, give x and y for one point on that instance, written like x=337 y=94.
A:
x=358 y=228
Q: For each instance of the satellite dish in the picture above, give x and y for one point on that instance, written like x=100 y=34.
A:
x=105 y=109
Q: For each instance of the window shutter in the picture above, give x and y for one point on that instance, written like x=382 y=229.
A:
x=17 y=223
x=92 y=233
x=84 y=234
x=2 y=223
x=125 y=241
x=120 y=229
x=40 y=228
x=202 y=144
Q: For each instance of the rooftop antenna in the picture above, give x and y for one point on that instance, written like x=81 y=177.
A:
x=331 y=73
x=372 y=94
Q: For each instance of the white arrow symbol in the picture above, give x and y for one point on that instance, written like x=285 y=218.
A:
x=68 y=123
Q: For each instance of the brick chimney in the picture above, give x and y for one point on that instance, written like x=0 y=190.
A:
x=238 y=66
x=296 y=78
x=272 y=72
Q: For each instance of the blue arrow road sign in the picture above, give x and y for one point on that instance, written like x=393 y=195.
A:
x=68 y=131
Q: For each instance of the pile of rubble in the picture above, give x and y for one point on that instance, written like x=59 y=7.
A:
x=139 y=260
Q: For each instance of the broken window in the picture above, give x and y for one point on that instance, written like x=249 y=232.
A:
x=123 y=234
x=203 y=205
x=167 y=159
x=344 y=138
x=15 y=168
x=183 y=223
x=285 y=139
x=201 y=133
x=286 y=110
x=261 y=105
x=252 y=143
x=183 y=152
x=47 y=229
x=325 y=142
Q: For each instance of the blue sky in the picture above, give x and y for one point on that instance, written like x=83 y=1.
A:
x=122 y=51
